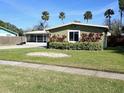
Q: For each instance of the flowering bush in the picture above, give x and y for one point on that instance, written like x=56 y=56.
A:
x=57 y=38
x=91 y=37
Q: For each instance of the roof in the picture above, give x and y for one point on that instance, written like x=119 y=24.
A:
x=12 y=32
x=37 y=32
x=81 y=24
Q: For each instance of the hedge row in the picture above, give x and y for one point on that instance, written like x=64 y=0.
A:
x=114 y=41
x=76 y=46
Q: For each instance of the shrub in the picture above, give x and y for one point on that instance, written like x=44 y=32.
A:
x=76 y=46
x=114 y=41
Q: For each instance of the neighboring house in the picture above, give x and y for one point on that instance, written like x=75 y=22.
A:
x=8 y=37
x=7 y=32
x=72 y=30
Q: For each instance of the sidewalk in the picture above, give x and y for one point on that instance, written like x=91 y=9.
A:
x=70 y=70
x=18 y=46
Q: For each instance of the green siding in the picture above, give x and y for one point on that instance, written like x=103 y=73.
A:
x=83 y=29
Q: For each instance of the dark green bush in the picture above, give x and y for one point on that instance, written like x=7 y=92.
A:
x=76 y=46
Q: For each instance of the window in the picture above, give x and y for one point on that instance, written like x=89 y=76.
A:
x=37 y=38
x=45 y=38
x=74 y=36
x=42 y=38
x=32 y=38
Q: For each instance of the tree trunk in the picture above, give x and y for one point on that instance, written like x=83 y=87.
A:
x=121 y=19
x=62 y=21
x=45 y=24
x=87 y=20
x=109 y=23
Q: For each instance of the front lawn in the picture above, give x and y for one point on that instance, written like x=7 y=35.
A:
x=112 y=60
x=26 y=80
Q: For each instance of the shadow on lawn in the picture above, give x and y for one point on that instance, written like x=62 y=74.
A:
x=119 y=49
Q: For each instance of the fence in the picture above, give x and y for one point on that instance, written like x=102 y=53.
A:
x=11 y=40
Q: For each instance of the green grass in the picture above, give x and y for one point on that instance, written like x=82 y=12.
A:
x=111 y=60
x=26 y=80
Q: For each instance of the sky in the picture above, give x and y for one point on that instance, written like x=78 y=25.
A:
x=27 y=13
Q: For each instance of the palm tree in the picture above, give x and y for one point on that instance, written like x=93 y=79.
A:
x=62 y=16
x=45 y=17
x=121 y=7
x=108 y=13
x=88 y=15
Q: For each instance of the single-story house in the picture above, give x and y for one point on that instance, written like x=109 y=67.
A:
x=7 y=32
x=72 y=31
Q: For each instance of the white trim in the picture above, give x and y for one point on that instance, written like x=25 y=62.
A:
x=78 y=24
x=37 y=44
x=73 y=31
x=37 y=32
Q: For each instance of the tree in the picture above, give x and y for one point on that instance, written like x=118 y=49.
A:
x=45 y=17
x=106 y=22
x=2 y=23
x=115 y=25
x=11 y=27
x=88 y=15
x=122 y=29
x=76 y=21
x=121 y=7
x=40 y=26
x=62 y=16
x=108 y=13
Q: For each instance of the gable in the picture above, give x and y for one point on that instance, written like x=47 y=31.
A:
x=85 y=28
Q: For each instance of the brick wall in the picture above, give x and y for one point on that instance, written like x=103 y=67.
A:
x=11 y=40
